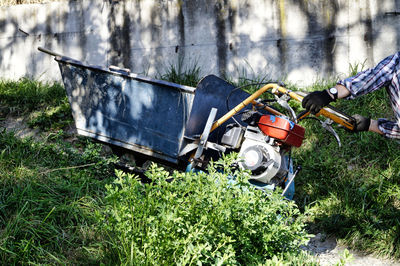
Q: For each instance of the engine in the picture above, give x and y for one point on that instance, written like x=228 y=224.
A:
x=264 y=144
x=262 y=156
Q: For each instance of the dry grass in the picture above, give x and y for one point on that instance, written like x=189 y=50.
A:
x=20 y=2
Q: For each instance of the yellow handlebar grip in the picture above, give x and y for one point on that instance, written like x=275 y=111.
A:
x=328 y=111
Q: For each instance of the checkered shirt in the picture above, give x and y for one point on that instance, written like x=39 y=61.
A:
x=385 y=74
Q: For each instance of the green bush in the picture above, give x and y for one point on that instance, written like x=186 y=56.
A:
x=191 y=218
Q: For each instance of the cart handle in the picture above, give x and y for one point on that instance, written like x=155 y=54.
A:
x=47 y=51
x=328 y=111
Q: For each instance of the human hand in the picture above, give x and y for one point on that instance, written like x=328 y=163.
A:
x=316 y=100
x=362 y=123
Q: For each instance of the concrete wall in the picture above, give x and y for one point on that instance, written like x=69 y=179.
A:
x=300 y=40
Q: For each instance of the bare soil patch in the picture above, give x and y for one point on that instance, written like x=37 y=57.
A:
x=328 y=252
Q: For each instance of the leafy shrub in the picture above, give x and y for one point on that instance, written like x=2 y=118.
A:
x=188 y=218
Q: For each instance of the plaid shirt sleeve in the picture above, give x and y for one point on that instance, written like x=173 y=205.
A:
x=384 y=74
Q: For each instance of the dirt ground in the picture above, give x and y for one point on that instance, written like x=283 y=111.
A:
x=326 y=249
x=328 y=252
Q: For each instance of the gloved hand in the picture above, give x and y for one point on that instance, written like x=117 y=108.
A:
x=316 y=100
x=362 y=123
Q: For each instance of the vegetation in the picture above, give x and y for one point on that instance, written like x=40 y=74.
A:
x=181 y=74
x=48 y=196
x=353 y=191
x=45 y=104
x=19 y=2
x=62 y=202
x=187 y=218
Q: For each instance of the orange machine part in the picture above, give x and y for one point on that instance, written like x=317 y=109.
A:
x=282 y=129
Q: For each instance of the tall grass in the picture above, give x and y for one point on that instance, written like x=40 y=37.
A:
x=27 y=95
x=45 y=104
x=47 y=201
x=181 y=74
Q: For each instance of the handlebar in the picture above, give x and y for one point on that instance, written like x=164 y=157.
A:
x=329 y=112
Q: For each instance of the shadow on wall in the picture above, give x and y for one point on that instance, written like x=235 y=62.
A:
x=263 y=38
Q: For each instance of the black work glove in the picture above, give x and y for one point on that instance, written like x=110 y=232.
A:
x=362 y=123
x=316 y=100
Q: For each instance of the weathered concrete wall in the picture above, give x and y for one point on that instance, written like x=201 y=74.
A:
x=301 y=40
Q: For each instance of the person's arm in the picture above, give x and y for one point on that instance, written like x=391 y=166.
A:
x=364 y=82
x=362 y=123
x=373 y=127
x=389 y=129
x=343 y=92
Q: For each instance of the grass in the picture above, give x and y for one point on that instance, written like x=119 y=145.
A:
x=54 y=192
x=48 y=199
x=353 y=191
x=181 y=74
x=45 y=104
x=19 y=2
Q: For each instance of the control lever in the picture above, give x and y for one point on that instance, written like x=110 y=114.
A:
x=283 y=101
x=327 y=124
x=298 y=168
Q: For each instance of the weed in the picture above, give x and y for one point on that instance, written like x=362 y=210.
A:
x=356 y=67
x=346 y=257
x=197 y=218
x=180 y=74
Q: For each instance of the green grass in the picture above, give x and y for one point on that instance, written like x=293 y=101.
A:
x=48 y=196
x=180 y=74
x=353 y=192
x=46 y=104
x=56 y=195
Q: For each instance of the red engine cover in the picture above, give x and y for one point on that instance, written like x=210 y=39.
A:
x=283 y=129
